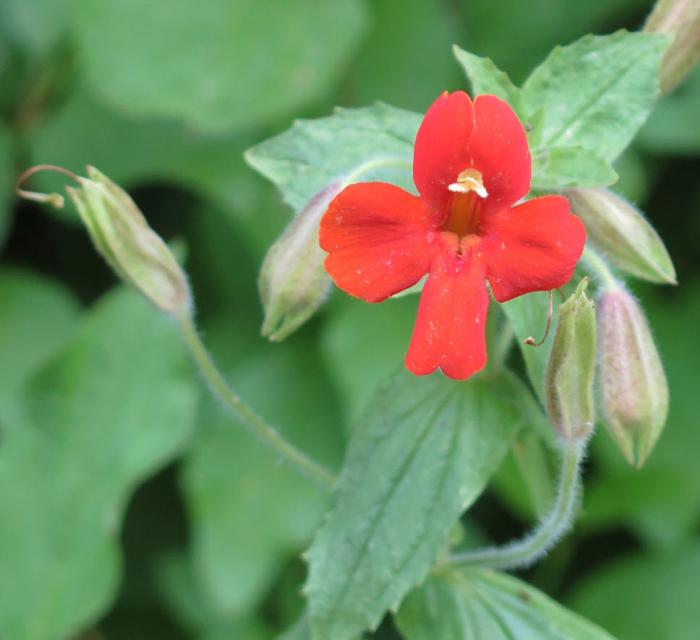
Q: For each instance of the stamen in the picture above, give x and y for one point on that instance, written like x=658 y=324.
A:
x=531 y=341
x=469 y=180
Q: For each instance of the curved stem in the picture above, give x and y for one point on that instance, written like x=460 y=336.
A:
x=251 y=420
x=599 y=266
x=553 y=526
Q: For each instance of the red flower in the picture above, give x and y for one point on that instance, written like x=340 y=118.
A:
x=471 y=163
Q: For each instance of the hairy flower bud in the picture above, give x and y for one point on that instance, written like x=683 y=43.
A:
x=681 y=19
x=293 y=283
x=122 y=236
x=571 y=368
x=623 y=234
x=633 y=388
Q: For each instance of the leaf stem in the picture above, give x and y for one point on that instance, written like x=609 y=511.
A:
x=248 y=418
x=547 y=533
x=597 y=265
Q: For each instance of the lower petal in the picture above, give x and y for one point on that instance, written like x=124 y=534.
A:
x=532 y=247
x=378 y=240
x=450 y=330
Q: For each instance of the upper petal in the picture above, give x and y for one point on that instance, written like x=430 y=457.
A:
x=499 y=150
x=442 y=151
x=532 y=247
x=450 y=330
x=378 y=240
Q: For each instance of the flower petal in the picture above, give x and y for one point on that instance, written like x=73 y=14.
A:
x=532 y=247
x=499 y=150
x=378 y=240
x=450 y=330
x=442 y=151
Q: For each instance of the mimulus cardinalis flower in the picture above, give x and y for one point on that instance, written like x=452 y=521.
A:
x=471 y=164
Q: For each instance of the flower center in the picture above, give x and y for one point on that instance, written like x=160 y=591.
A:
x=464 y=206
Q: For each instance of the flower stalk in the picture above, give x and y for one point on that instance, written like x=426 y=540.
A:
x=559 y=519
x=267 y=434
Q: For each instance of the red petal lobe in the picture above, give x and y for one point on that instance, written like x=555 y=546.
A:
x=442 y=147
x=532 y=247
x=499 y=150
x=378 y=240
x=450 y=328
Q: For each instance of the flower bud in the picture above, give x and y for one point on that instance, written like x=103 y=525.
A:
x=122 y=236
x=623 y=234
x=681 y=19
x=293 y=283
x=633 y=388
x=571 y=368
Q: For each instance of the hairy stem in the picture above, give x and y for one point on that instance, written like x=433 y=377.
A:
x=597 y=265
x=248 y=418
x=547 y=533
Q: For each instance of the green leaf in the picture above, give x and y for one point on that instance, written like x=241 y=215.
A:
x=645 y=597
x=517 y=35
x=371 y=143
x=473 y=604
x=37 y=316
x=562 y=167
x=355 y=329
x=672 y=128
x=6 y=173
x=249 y=514
x=485 y=77
x=90 y=431
x=406 y=58
x=187 y=601
x=36 y=26
x=209 y=67
x=423 y=453
x=133 y=151
x=597 y=92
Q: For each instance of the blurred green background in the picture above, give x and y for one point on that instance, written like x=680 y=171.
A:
x=164 y=96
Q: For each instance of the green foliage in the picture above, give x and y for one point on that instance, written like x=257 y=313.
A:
x=5 y=181
x=560 y=167
x=672 y=128
x=303 y=160
x=430 y=446
x=355 y=329
x=88 y=432
x=187 y=600
x=646 y=597
x=249 y=513
x=597 y=92
x=132 y=151
x=307 y=43
x=406 y=58
x=485 y=77
x=164 y=97
x=38 y=316
x=476 y=604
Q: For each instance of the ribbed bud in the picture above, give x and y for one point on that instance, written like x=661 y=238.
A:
x=623 y=234
x=633 y=388
x=571 y=368
x=122 y=236
x=681 y=19
x=293 y=283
